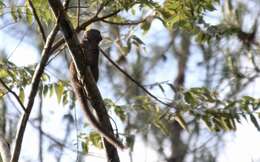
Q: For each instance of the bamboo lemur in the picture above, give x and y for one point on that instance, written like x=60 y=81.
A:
x=90 y=48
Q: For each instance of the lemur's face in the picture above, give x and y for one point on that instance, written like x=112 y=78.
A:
x=93 y=35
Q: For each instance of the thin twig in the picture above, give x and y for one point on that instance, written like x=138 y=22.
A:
x=56 y=54
x=124 y=23
x=252 y=58
x=18 y=44
x=133 y=80
x=54 y=140
x=82 y=27
x=37 y=20
x=13 y=93
x=6 y=25
x=40 y=116
x=61 y=144
x=116 y=127
x=95 y=19
x=156 y=83
x=101 y=7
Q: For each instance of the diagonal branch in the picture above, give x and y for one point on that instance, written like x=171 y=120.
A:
x=37 y=20
x=35 y=84
x=77 y=56
x=46 y=53
x=133 y=80
x=95 y=19
x=13 y=93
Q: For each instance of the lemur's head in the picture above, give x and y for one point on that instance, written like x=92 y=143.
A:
x=93 y=36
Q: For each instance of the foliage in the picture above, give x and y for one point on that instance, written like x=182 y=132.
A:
x=19 y=78
x=206 y=106
x=184 y=14
x=93 y=138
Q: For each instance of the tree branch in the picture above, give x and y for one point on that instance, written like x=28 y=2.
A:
x=35 y=84
x=123 y=23
x=101 y=7
x=82 y=27
x=13 y=93
x=85 y=75
x=133 y=80
x=40 y=116
x=37 y=20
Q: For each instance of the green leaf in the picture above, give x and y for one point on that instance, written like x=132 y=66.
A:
x=233 y=123
x=120 y=112
x=21 y=94
x=249 y=99
x=109 y=103
x=19 y=12
x=65 y=99
x=244 y=104
x=51 y=89
x=159 y=124
x=230 y=105
x=208 y=122
x=181 y=121
x=218 y=124
x=2 y=3
x=177 y=19
x=45 y=90
x=1 y=93
x=84 y=146
x=95 y=139
x=3 y=73
x=137 y=40
x=226 y=123
x=145 y=26
x=190 y=98
x=209 y=96
x=130 y=140
x=210 y=7
x=13 y=13
x=254 y=121
x=29 y=16
x=45 y=77
x=59 y=89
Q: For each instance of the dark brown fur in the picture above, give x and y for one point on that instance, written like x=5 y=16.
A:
x=90 y=49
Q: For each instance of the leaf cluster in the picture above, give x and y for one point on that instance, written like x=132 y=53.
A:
x=200 y=104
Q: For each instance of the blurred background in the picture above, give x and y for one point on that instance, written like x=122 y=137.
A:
x=200 y=56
